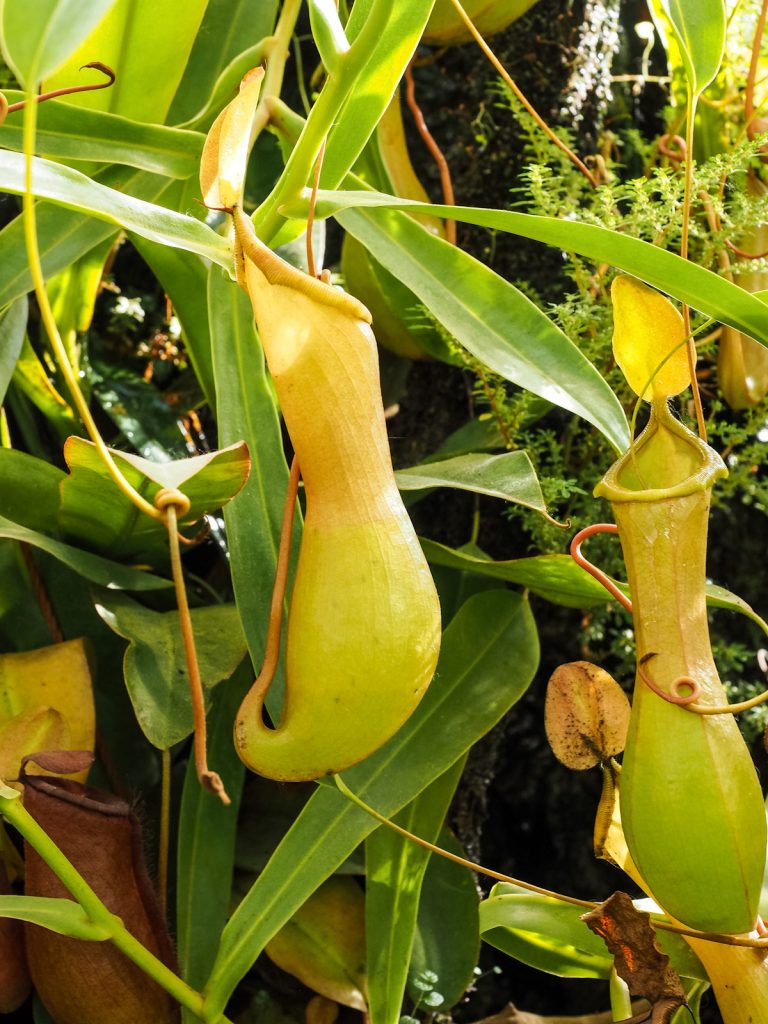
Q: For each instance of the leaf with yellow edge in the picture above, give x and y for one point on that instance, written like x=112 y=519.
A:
x=225 y=153
x=648 y=331
x=28 y=732
x=323 y=944
x=56 y=677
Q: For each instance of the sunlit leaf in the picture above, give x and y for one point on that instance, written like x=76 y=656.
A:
x=665 y=270
x=510 y=476
x=700 y=28
x=37 y=36
x=72 y=189
x=146 y=43
x=67 y=133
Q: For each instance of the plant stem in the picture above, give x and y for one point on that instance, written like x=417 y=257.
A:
x=688 y=181
x=46 y=315
x=267 y=220
x=342 y=786
x=210 y=780
x=12 y=809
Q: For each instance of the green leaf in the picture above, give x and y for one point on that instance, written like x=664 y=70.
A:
x=13 y=324
x=447 y=941
x=38 y=35
x=488 y=659
x=147 y=43
x=91 y=567
x=549 y=935
x=155 y=667
x=29 y=490
x=491 y=318
x=228 y=34
x=394 y=869
x=206 y=844
x=247 y=410
x=63 y=235
x=554 y=577
x=65 y=917
x=510 y=476
x=686 y=281
x=76 y=191
x=67 y=133
x=700 y=28
x=95 y=511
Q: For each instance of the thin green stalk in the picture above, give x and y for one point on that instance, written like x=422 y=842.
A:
x=49 y=321
x=12 y=810
x=335 y=93
x=691 y=349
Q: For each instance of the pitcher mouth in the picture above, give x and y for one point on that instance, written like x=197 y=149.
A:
x=668 y=461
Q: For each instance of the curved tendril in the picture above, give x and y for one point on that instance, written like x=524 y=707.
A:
x=667 y=926
x=689 y=700
x=68 y=90
x=598 y=574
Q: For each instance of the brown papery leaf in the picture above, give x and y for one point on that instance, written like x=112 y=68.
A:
x=586 y=715
x=630 y=937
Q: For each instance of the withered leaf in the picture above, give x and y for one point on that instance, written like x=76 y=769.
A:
x=586 y=715
x=630 y=937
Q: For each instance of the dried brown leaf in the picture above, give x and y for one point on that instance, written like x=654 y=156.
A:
x=630 y=937
x=586 y=715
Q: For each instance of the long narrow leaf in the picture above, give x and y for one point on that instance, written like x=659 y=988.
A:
x=489 y=656
x=715 y=296
x=13 y=324
x=63 y=235
x=91 y=567
x=394 y=869
x=65 y=132
x=491 y=318
x=206 y=846
x=74 y=190
x=247 y=411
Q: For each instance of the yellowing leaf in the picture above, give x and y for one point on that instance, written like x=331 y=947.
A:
x=225 y=154
x=56 y=677
x=647 y=329
x=323 y=945
x=30 y=731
